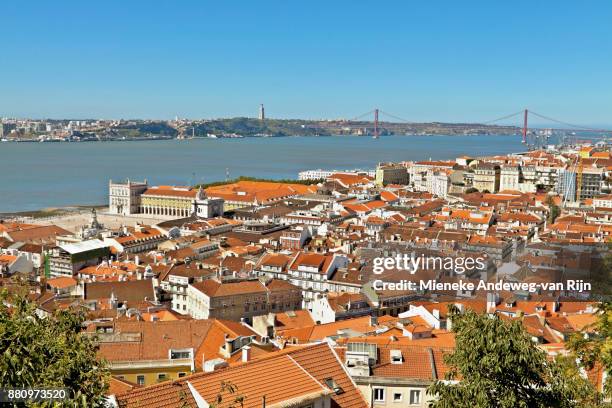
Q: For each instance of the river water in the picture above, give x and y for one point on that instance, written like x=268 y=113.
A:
x=42 y=175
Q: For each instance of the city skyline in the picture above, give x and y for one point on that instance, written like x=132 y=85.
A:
x=421 y=62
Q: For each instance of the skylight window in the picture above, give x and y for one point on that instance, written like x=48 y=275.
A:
x=333 y=385
x=396 y=357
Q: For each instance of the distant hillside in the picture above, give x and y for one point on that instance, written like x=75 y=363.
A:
x=160 y=128
x=256 y=127
x=296 y=127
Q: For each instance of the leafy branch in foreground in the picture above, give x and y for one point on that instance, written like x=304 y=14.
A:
x=496 y=364
x=49 y=352
x=595 y=347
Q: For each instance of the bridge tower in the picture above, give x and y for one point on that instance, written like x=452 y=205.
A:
x=525 y=126
x=376 y=123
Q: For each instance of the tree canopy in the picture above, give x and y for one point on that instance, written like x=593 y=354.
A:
x=496 y=364
x=49 y=352
x=596 y=348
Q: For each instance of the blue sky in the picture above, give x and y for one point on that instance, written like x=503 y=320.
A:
x=421 y=60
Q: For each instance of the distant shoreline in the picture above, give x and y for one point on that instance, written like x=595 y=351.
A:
x=161 y=138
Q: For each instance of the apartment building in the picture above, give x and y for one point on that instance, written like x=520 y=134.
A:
x=487 y=177
x=68 y=259
x=241 y=300
x=390 y=173
x=151 y=352
x=308 y=271
x=394 y=375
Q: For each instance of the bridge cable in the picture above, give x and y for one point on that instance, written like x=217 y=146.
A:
x=357 y=118
x=396 y=117
x=502 y=118
x=579 y=127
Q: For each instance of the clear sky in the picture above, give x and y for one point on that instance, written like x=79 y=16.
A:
x=421 y=60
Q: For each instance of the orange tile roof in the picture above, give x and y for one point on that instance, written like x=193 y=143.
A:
x=581 y=321
x=424 y=363
x=168 y=191
x=274 y=259
x=119 y=386
x=439 y=338
x=156 y=338
x=388 y=196
x=348 y=180
x=7 y=259
x=250 y=191
x=291 y=376
x=37 y=233
x=214 y=288
x=292 y=320
x=319 y=332
x=62 y=282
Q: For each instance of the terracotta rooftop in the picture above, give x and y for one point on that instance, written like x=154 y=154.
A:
x=292 y=377
x=128 y=291
x=213 y=288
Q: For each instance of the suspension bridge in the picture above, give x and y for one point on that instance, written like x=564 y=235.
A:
x=532 y=138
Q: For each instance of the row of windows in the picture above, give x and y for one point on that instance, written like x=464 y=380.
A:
x=414 y=396
x=140 y=379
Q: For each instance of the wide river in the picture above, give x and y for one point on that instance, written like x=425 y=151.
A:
x=42 y=175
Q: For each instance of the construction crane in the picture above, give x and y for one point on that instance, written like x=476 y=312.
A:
x=573 y=181
x=579 y=170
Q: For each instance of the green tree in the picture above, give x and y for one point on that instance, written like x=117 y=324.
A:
x=601 y=278
x=496 y=364
x=596 y=348
x=49 y=352
x=554 y=210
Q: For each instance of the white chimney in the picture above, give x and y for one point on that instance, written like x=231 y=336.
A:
x=246 y=354
x=492 y=301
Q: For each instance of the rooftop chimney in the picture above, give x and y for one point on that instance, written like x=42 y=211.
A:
x=246 y=354
x=373 y=320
